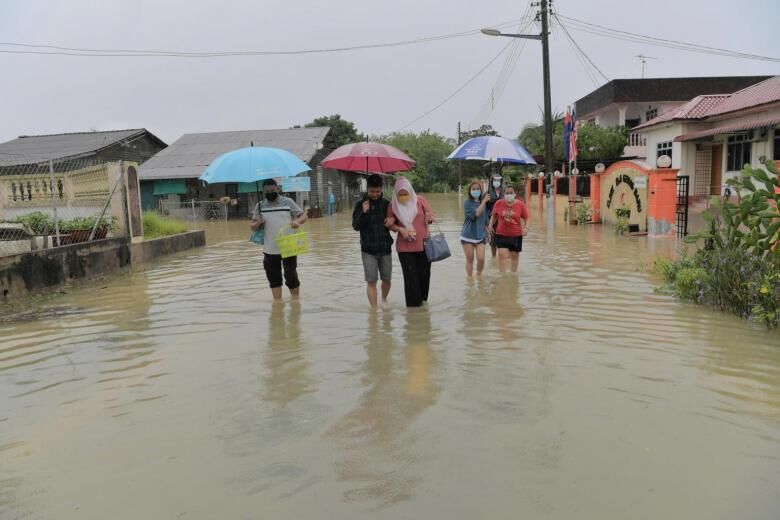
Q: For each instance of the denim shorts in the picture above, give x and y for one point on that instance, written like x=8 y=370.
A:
x=376 y=267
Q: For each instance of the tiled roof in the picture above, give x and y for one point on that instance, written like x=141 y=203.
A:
x=191 y=154
x=696 y=108
x=729 y=129
x=767 y=91
x=28 y=149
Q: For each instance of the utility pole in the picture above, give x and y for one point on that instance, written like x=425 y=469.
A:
x=548 y=123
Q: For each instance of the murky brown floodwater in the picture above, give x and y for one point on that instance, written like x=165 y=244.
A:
x=571 y=391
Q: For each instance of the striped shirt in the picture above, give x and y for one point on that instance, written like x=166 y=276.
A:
x=277 y=215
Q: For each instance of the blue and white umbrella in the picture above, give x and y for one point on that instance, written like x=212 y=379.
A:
x=494 y=149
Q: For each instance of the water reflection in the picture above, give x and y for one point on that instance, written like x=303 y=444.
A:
x=380 y=459
x=285 y=356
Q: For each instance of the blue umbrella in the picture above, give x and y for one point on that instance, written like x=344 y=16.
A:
x=253 y=164
x=494 y=149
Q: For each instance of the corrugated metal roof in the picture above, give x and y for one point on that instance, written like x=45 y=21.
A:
x=728 y=129
x=191 y=154
x=760 y=94
x=696 y=108
x=39 y=148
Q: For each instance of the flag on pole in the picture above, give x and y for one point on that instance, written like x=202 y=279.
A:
x=567 y=136
x=572 y=154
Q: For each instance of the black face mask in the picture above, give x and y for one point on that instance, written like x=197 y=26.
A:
x=272 y=195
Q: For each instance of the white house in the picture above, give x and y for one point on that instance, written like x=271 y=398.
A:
x=632 y=102
x=711 y=137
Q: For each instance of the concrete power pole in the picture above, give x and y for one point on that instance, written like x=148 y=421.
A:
x=548 y=122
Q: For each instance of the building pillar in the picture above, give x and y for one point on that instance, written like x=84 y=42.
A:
x=572 y=196
x=662 y=202
x=622 y=109
x=595 y=197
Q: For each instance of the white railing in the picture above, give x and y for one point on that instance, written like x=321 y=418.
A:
x=637 y=139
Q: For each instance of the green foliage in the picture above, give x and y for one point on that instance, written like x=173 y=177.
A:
x=482 y=130
x=85 y=223
x=158 y=226
x=621 y=225
x=39 y=223
x=582 y=213
x=342 y=131
x=738 y=251
x=593 y=142
x=753 y=221
x=429 y=150
x=43 y=224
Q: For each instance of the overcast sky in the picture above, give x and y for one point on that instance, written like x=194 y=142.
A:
x=380 y=90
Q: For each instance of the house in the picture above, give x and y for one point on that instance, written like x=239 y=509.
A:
x=712 y=136
x=136 y=145
x=632 y=102
x=173 y=173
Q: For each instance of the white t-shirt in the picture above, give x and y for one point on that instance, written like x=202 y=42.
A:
x=277 y=215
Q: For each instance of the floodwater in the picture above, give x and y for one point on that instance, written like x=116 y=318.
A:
x=572 y=390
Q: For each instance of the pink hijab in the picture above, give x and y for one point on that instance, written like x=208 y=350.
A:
x=406 y=213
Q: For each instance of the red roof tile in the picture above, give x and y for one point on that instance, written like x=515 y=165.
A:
x=728 y=129
x=696 y=108
x=768 y=91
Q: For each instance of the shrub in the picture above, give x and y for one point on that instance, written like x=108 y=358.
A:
x=737 y=267
x=582 y=213
x=157 y=226
x=39 y=223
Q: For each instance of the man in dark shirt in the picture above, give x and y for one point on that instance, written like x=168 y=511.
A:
x=369 y=219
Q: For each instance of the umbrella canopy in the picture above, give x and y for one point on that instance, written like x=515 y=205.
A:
x=368 y=157
x=253 y=164
x=492 y=148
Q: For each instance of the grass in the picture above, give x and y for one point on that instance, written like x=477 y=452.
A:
x=156 y=226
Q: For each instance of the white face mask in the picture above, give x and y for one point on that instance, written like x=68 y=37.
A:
x=496 y=184
x=510 y=197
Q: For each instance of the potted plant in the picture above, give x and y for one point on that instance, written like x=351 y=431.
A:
x=622 y=214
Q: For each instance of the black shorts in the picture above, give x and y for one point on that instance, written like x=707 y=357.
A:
x=273 y=271
x=514 y=244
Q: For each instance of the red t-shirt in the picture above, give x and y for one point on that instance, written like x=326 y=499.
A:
x=509 y=217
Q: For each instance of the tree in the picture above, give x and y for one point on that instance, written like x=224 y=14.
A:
x=482 y=130
x=429 y=150
x=342 y=131
x=593 y=142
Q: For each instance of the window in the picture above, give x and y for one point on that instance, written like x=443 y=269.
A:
x=651 y=114
x=738 y=152
x=776 y=155
x=664 y=148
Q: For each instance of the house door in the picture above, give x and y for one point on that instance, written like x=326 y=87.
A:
x=716 y=174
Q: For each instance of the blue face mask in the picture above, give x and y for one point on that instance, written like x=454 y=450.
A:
x=476 y=193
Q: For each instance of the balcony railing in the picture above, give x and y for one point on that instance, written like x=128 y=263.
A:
x=637 y=139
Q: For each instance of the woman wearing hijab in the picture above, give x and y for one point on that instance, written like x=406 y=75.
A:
x=409 y=215
x=496 y=191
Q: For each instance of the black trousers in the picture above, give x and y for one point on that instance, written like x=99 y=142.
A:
x=417 y=277
x=273 y=271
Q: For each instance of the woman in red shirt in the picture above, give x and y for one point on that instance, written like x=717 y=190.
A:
x=512 y=216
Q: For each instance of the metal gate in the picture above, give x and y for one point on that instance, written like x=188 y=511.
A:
x=682 y=205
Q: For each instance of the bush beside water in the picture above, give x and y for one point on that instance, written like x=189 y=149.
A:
x=156 y=226
x=737 y=265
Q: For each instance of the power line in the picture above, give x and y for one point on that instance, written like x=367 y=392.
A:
x=573 y=41
x=578 y=55
x=618 y=34
x=55 y=50
x=506 y=71
x=459 y=89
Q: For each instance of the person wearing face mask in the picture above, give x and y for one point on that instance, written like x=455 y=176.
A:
x=510 y=217
x=496 y=191
x=409 y=215
x=274 y=213
x=473 y=235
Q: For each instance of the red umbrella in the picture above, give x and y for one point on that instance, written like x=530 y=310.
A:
x=369 y=158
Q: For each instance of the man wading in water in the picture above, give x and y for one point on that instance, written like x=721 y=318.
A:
x=369 y=218
x=276 y=212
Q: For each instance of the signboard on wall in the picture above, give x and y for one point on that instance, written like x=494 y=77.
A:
x=640 y=183
x=296 y=184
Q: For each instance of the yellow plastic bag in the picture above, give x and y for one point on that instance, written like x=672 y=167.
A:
x=292 y=242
